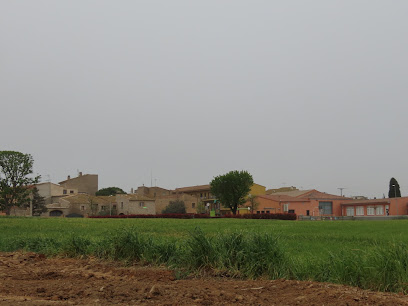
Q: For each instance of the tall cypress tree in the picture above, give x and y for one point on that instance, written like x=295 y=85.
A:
x=394 y=189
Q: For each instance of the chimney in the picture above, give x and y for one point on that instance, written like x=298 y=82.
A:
x=131 y=190
x=68 y=177
x=80 y=174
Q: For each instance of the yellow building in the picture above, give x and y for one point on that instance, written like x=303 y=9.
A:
x=257 y=189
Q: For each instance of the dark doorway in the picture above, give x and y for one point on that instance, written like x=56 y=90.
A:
x=55 y=213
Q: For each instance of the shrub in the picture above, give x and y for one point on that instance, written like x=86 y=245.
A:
x=204 y=216
x=175 y=207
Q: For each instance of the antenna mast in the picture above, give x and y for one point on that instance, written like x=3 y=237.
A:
x=341 y=190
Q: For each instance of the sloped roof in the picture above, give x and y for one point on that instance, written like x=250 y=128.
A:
x=292 y=193
x=194 y=188
x=282 y=198
x=305 y=195
x=74 y=178
x=321 y=195
x=43 y=183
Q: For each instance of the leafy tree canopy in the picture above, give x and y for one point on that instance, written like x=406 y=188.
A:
x=38 y=203
x=175 y=207
x=232 y=188
x=394 y=191
x=109 y=191
x=253 y=203
x=16 y=171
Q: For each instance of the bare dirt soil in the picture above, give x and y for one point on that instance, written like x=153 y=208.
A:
x=33 y=279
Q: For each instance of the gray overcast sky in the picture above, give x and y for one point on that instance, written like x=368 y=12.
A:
x=305 y=93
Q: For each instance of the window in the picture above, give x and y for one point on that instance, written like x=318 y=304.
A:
x=201 y=195
x=285 y=207
x=82 y=207
x=103 y=208
x=114 y=207
x=268 y=212
x=326 y=208
x=360 y=211
x=263 y=211
x=291 y=211
x=192 y=205
x=64 y=191
x=370 y=211
x=121 y=205
x=71 y=191
x=141 y=204
x=307 y=212
x=258 y=212
x=379 y=210
x=350 y=211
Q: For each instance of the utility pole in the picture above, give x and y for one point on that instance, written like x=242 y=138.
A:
x=341 y=190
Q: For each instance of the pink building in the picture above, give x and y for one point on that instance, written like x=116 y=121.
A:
x=376 y=207
x=301 y=202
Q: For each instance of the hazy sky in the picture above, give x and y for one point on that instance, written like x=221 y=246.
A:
x=305 y=93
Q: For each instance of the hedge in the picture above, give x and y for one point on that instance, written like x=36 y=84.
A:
x=204 y=216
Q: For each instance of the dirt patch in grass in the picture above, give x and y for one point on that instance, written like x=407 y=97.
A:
x=33 y=279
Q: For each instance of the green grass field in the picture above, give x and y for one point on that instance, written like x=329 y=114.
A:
x=369 y=254
x=315 y=238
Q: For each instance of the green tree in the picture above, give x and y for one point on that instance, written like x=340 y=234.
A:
x=109 y=191
x=394 y=191
x=200 y=208
x=16 y=171
x=37 y=203
x=232 y=188
x=253 y=203
x=93 y=205
x=175 y=207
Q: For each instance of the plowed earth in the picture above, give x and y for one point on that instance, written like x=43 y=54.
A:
x=33 y=279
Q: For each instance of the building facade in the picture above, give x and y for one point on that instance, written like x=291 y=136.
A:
x=87 y=183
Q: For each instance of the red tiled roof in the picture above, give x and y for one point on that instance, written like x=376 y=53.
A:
x=321 y=196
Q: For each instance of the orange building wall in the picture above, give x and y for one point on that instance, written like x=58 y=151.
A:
x=397 y=206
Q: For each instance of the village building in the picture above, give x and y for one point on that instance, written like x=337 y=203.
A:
x=87 y=183
x=190 y=202
x=81 y=205
x=301 y=202
x=375 y=207
x=151 y=192
x=135 y=204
